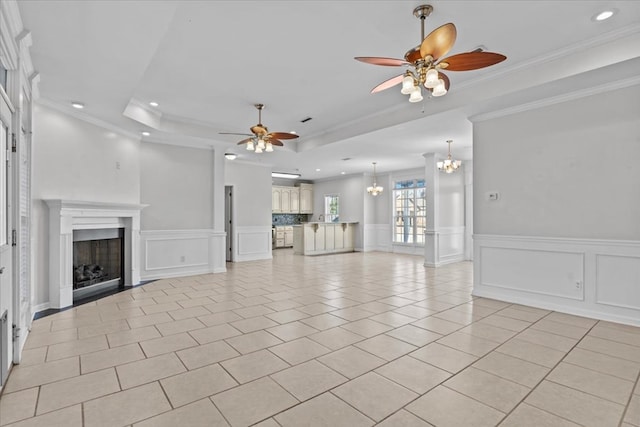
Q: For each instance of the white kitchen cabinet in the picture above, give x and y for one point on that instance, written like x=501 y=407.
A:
x=284 y=236
x=306 y=198
x=285 y=199
x=294 y=196
x=316 y=238
x=288 y=237
x=276 y=200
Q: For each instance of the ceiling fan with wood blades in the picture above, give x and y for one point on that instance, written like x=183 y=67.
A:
x=261 y=139
x=426 y=61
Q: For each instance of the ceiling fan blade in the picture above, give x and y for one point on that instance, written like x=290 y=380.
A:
x=232 y=133
x=413 y=55
x=471 y=61
x=259 y=129
x=282 y=135
x=447 y=83
x=275 y=142
x=439 y=41
x=388 y=83
x=387 y=62
x=244 y=141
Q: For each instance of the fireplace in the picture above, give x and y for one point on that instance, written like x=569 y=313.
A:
x=70 y=218
x=98 y=261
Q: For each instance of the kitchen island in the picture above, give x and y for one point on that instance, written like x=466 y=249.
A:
x=317 y=238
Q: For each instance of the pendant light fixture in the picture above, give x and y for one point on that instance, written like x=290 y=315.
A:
x=375 y=189
x=449 y=165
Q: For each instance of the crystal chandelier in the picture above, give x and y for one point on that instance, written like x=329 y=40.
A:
x=375 y=189
x=449 y=165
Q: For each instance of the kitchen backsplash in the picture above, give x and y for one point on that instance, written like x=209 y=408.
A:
x=288 y=219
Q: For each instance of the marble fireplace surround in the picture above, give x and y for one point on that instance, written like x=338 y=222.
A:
x=66 y=216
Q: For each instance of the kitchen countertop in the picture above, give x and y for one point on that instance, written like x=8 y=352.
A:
x=326 y=222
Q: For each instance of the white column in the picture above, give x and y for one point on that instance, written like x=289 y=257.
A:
x=217 y=242
x=468 y=210
x=431 y=237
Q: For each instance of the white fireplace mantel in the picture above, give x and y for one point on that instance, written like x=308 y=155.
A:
x=68 y=215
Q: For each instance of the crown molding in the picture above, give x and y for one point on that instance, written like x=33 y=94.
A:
x=609 y=37
x=570 y=96
x=87 y=118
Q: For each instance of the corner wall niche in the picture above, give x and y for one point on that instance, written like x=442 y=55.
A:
x=94 y=221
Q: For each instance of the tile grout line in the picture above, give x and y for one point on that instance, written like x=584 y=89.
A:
x=626 y=408
x=547 y=374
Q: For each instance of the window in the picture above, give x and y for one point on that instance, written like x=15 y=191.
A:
x=331 y=208
x=409 y=205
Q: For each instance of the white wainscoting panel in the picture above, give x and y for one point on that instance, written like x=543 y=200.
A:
x=585 y=277
x=618 y=281
x=172 y=253
x=444 y=246
x=451 y=244
x=252 y=243
x=377 y=237
x=552 y=273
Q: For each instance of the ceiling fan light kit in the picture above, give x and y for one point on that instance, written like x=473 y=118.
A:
x=261 y=140
x=426 y=61
x=449 y=165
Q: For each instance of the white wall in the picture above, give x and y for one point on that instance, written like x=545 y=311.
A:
x=75 y=160
x=567 y=170
x=451 y=203
x=178 y=236
x=251 y=214
x=564 y=233
x=352 y=190
x=177 y=184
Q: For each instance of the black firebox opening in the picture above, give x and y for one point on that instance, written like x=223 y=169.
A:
x=98 y=258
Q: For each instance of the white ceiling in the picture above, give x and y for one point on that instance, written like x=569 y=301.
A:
x=207 y=62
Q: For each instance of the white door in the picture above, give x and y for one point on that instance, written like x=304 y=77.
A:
x=21 y=160
x=6 y=250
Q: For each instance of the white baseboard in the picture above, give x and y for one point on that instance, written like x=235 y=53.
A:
x=586 y=277
x=40 y=307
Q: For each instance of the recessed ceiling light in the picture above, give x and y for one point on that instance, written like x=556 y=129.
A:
x=605 y=14
x=285 y=175
x=230 y=156
x=342 y=173
x=318 y=170
x=78 y=105
x=153 y=104
x=145 y=133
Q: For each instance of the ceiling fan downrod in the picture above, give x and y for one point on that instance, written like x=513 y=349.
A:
x=422 y=12
x=259 y=107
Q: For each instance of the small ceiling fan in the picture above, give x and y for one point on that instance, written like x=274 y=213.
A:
x=261 y=139
x=426 y=61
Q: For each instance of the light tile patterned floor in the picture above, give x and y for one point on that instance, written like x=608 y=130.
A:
x=343 y=340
